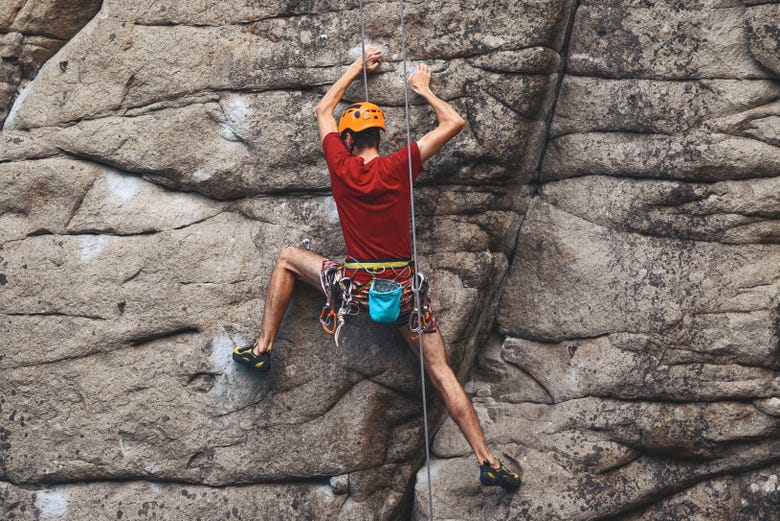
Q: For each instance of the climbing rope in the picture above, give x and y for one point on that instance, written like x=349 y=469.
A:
x=415 y=284
x=363 y=48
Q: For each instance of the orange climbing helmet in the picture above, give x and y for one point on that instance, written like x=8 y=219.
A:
x=361 y=116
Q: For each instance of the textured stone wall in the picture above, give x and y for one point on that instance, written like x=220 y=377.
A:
x=32 y=31
x=603 y=239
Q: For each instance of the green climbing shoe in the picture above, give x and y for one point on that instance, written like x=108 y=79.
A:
x=500 y=477
x=244 y=356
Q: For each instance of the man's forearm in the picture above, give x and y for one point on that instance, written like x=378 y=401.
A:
x=327 y=105
x=331 y=99
x=446 y=115
x=449 y=121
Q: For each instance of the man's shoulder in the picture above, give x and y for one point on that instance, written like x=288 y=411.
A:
x=333 y=147
x=401 y=156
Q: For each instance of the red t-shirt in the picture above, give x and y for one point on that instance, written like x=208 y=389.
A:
x=372 y=199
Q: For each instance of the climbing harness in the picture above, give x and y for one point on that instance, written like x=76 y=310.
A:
x=376 y=267
x=386 y=293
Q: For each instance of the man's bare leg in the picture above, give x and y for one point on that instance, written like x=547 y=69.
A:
x=293 y=263
x=455 y=398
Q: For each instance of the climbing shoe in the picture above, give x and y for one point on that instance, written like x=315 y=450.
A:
x=244 y=355
x=500 y=477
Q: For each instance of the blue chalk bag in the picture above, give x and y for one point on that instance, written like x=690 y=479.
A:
x=384 y=300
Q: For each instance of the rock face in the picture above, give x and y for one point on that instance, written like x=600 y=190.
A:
x=32 y=31
x=603 y=240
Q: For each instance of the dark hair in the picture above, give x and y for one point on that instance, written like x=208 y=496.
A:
x=366 y=138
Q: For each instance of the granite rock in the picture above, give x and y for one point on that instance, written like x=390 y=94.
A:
x=602 y=240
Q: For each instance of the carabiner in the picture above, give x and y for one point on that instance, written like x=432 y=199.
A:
x=329 y=320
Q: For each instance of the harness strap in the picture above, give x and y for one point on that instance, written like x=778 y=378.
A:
x=376 y=266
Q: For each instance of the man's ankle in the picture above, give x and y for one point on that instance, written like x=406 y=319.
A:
x=492 y=464
x=258 y=349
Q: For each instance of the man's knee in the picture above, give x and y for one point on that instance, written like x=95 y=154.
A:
x=301 y=263
x=291 y=258
x=286 y=256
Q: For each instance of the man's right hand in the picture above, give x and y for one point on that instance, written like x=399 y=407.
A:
x=450 y=122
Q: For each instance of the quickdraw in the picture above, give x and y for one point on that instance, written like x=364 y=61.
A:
x=338 y=288
x=420 y=320
x=347 y=307
x=328 y=315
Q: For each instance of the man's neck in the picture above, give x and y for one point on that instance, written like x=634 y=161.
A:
x=368 y=154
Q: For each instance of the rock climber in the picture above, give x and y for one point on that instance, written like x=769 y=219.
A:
x=372 y=195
